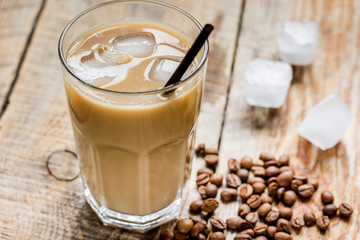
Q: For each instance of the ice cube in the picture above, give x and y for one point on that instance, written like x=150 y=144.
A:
x=326 y=123
x=267 y=82
x=161 y=69
x=297 y=41
x=141 y=44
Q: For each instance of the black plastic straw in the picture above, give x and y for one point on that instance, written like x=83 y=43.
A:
x=190 y=55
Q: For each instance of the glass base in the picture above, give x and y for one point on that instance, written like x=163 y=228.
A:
x=133 y=222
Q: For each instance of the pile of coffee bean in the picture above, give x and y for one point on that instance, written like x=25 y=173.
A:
x=260 y=185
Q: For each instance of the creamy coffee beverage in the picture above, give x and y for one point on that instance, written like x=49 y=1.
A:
x=133 y=142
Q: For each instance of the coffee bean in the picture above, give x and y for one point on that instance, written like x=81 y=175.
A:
x=285 y=169
x=259 y=187
x=272 y=188
x=327 y=197
x=272 y=171
x=200 y=150
x=202 y=179
x=297 y=223
x=258 y=171
x=267 y=157
x=254 y=180
x=265 y=198
x=285 y=212
x=345 y=210
x=234 y=223
x=217 y=223
x=295 y=184
x=264 y=209
x=289 y=198
x=243 y=174
x=211 y=160
x=208 y=171
x=270 y=231
x=254 y=201
x=228 y=194
x=217 y=236
x=260 y=238
x=209 y=205
x=309 y=219
x=323 y=222
x=245 y=225
x=216 y=178
x=302 y=178
x=284 y=179
x=232 y=180
x=272 y=179
x=195 y=206
x=242 y=236
x=180 y=236
x=196 y=219
x=207 y=231
x=246 y=162
x=252 y=218
x=259 y=163
x=284 y=160
x=198 y=228
x=184 y=225
x=272 y=216
x=233 y=165
x=313 y=181
x=330 y=210
x=306 y=190
x=244 y=210
x=270 y=163
x=283 y=225
x=280 y=193
x=212 y=151
x=166 y=235
x=282 y=236
x=211 y=190
x=202 y=192
x=260 y=229
x=201 y=237
x=248 y=231
x=246 y=191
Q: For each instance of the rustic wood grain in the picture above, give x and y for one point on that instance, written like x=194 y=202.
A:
x=16 y=22
x=36 y=123
x=251 y=130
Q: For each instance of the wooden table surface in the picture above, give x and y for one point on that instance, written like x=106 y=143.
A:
x=35 y=123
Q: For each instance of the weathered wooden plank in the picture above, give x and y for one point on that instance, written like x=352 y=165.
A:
x=34 y=204
x=250 y=130
x=16 y=22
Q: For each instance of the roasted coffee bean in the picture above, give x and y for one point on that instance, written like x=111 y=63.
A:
x=259 y=163
x=184 y=225
x=297 y=223
x=306 y=190
x=295 y=184
x=196 y=219
x=265 y=198
x=252 y=218
x=217 y=236
x=208 y=171
x=309 y=219
x=245 y=225
x=202 y=179
x=246 y=191
x=243 y=174
x=233 y=165
x=216 y=178
x=212 y=151
x=327 y=197
x=244 y=210
x=180 y=236
x=232 y=180
x=254 y=201
x=211 y=190
x=303 y=178
x=285 y=212
x=259 y=187
x=323 y=222
x=270 y=231
x=284 y=160
x=284 y=179
x=283 y=225
x=345 y=210
x=267 y=157
x=207 y=231
x=286 y=168
x=254 y=180
x=260 y=238
x=201 y=237
x=272 y=216
x=280 y=193
x=200 y=150
x=330 y=210
x=234 y=223
x=246 y=162
x=166 y=235
x=228 y=194
x=211 y=160
x=258 y=171
x=209 y=205
x=272 y=179
x=264 y=209
x=270 y=163
x=248 y=231
x=202 y=192
x=198 y=228
x=282 y=236
x=272 y=171
x=195 y=206
x=272 y=188
x=289 y=198
x=217 y=223
x=313 y=181
x=260 y=229
x=242 y=236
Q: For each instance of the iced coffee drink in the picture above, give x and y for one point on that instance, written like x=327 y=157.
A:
x=134 y=137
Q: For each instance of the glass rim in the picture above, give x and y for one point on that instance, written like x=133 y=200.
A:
x=154 y=91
